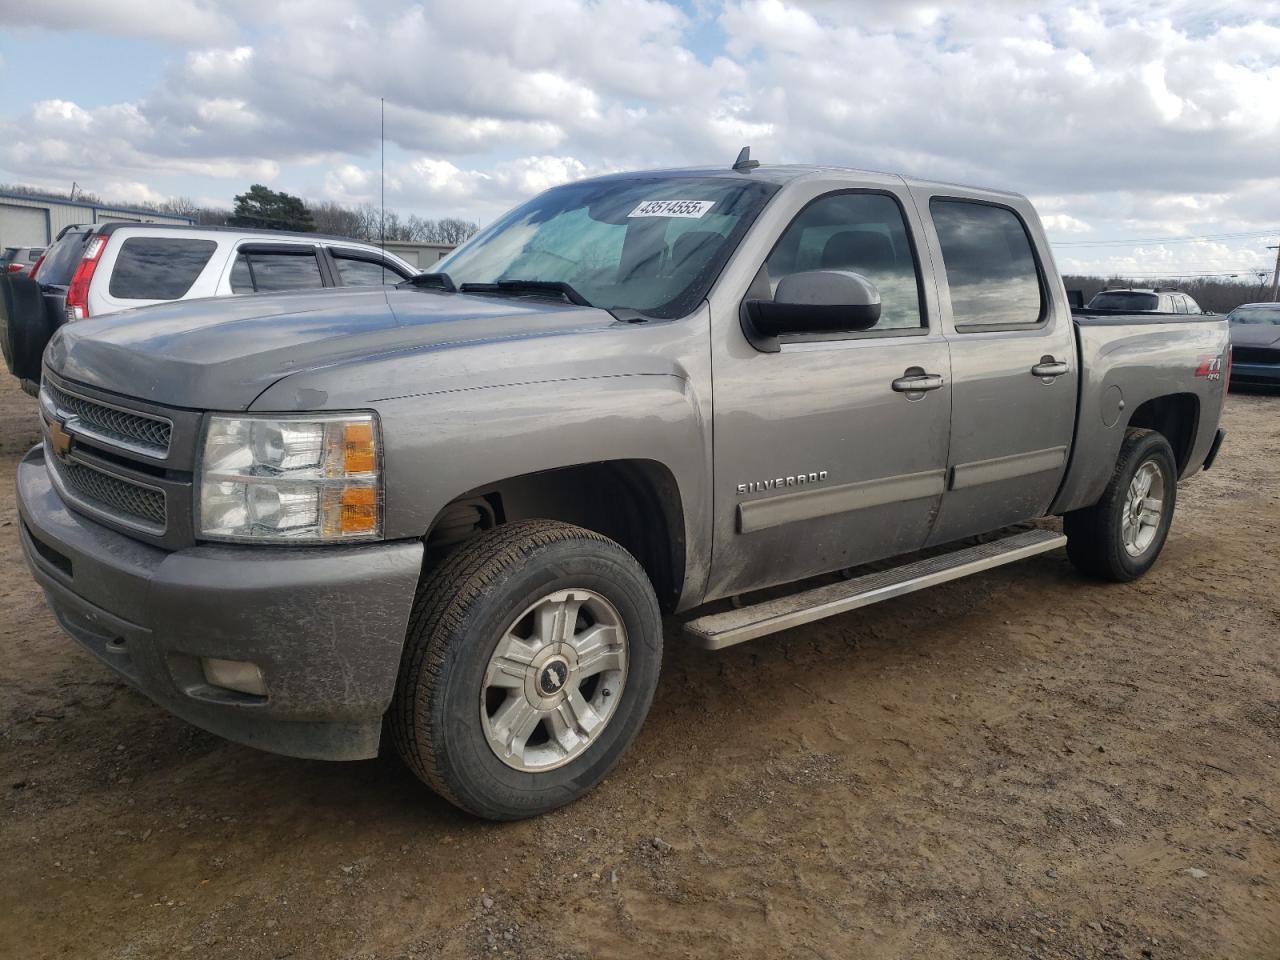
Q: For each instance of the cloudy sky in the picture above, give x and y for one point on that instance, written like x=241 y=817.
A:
x=1127 y=122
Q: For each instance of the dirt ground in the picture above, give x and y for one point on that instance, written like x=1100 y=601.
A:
x=1021 y=764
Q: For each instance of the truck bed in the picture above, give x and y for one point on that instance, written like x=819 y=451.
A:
x=1128 y=359
x=1098 y=315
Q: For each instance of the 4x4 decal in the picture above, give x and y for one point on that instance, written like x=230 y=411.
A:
x=1210 y=368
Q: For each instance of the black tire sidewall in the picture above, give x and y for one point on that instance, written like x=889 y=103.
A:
x=481 y=781
x=1141 y=449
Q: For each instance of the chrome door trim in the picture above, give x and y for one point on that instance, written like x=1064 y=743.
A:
x=843 y=498
x=966 y=475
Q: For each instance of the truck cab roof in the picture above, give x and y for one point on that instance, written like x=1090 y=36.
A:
x=781 y=174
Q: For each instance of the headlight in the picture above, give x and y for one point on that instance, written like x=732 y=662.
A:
x=285 y=479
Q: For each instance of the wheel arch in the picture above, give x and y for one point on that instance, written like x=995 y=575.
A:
x=634 y=502
x=1177 y=417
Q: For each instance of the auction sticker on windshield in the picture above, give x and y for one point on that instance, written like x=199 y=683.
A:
x=692 y=209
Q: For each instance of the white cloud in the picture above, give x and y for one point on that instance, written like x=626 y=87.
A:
x=131 y=191
x=438 y=185
x=1056 y=223
x=1143 y=117
x=180 y=21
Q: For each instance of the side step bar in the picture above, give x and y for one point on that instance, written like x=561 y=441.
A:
x=718 y=630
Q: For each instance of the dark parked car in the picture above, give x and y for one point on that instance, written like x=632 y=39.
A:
x=20 y=259
x=1255 y=343
x=1136 y=300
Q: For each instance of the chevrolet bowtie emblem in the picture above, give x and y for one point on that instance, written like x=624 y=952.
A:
x=59 y=439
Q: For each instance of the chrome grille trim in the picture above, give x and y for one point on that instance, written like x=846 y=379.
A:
x=115 y=426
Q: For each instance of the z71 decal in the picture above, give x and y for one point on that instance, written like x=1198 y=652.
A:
x=1210 y=368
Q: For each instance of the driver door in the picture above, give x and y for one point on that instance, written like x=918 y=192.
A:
x=820 y=462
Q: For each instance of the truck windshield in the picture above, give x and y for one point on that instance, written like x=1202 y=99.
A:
x=652 y=245
x=1124 y=300
x=1256 y=314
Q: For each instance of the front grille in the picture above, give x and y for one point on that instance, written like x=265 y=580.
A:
x=148 y=434
x=1255 y=355
x=114 y=496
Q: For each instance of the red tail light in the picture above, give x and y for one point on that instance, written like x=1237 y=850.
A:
x=35 y=266
x=78 y=292
x=13 y=268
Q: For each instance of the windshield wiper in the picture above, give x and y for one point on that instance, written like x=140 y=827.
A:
x=437 y=281
x=557 y=288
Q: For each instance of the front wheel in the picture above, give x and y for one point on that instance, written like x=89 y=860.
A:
x=530 y=663
x=1120 y=536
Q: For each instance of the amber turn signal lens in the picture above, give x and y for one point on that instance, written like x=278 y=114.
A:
x=357 y=448
x=359 y=510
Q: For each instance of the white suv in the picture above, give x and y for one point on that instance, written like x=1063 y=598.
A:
x=103 y=268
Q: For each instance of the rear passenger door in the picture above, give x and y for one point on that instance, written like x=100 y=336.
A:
x=1013 y=363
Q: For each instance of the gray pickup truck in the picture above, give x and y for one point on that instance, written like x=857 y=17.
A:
x=456 y=509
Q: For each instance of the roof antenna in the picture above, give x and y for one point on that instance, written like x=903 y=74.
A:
x=382 y=179
x=744 y=161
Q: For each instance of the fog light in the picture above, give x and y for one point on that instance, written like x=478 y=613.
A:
x=241 y=675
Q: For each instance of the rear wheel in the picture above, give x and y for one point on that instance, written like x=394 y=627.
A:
x=531 y=660
x=1120 y=536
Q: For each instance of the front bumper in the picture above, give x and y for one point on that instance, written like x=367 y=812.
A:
x=326 y=625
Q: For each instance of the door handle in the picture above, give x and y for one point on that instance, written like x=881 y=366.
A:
x=917 y=382
x=1048 y=368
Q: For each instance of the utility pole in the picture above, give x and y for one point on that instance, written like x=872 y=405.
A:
x=1275 y=277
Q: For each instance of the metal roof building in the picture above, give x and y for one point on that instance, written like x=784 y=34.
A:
x=35 y=221
x=421 y=255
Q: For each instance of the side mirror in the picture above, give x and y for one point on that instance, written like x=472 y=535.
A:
x=815 y=301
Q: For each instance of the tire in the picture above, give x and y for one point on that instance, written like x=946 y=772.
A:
x=456 y=708
x=1096 y=535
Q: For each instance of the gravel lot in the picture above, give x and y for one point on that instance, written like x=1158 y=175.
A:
x=1022 y=764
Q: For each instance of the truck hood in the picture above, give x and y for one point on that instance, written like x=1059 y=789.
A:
x=1255 y=335
x=221 y=353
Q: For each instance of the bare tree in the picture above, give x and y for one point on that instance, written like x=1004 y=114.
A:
x=337 y=220
x=455 y=231
x=179 y=207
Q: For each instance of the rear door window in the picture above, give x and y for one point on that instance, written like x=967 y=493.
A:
x=158 y=268
x=276 y=270
x=357 y=272
x=991 y=268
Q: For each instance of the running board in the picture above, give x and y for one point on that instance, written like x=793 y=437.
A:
x=717 y=630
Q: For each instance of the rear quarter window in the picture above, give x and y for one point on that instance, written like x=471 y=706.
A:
x=158 y=268
x=991 y=268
